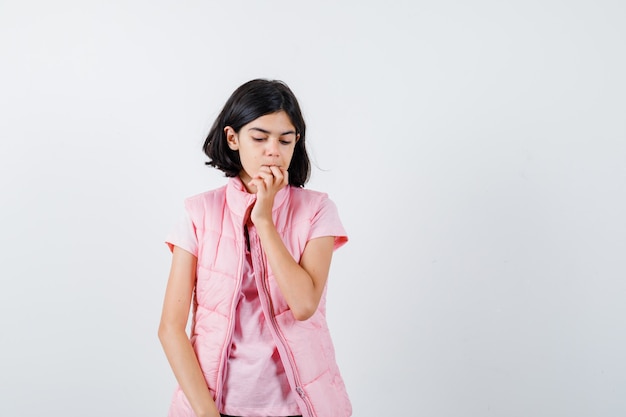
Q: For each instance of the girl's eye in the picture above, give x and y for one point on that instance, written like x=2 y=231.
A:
x=285 y=142
x=258 y=139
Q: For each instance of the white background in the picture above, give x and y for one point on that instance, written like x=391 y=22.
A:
x=476 y=152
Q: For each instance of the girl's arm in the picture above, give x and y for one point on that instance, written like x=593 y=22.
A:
x=301 y=284
x=173 y=336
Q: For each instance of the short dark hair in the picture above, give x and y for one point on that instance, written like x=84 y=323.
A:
x=250 y=101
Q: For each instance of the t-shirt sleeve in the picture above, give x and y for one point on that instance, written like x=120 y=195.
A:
x=326 y=222
x=183 y=235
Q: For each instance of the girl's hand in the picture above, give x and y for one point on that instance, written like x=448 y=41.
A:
x=268 y=181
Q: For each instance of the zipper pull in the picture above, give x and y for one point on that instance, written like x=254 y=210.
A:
x=300 y=392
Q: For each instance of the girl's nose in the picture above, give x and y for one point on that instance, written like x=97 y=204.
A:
x=272 y=148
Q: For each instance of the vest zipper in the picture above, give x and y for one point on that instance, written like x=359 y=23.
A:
x=221 y=375
x=269 y=307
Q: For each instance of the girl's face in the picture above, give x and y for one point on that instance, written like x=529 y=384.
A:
x=265 y=141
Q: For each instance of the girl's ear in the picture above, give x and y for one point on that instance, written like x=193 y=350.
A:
x=297 y=137
x=231 y=138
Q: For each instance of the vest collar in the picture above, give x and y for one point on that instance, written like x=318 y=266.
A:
x=239 y=200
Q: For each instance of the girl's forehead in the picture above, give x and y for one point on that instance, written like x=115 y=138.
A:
x=278 y=122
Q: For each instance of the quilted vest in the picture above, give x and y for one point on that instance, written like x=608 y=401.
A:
x=306 y=350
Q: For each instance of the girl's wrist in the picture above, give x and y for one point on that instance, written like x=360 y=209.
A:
x=263 y=223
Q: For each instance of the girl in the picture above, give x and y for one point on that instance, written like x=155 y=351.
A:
x=252 y=258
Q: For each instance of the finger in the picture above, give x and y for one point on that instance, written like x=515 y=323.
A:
x=258 y=183
x=282 y=175
x=267 y=177
x=285 y=176
x=278 y=174
x=264 y=169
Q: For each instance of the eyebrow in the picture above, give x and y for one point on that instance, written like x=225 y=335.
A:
x=267 y=132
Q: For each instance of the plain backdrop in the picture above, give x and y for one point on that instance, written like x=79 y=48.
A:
x=476 y=151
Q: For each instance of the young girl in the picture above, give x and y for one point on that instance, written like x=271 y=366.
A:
x=253 y=257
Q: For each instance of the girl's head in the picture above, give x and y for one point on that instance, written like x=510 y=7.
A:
x=248 y=103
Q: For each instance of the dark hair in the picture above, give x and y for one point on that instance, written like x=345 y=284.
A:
x=250 y=101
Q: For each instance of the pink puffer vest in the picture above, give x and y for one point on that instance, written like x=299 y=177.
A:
x=305 y=347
